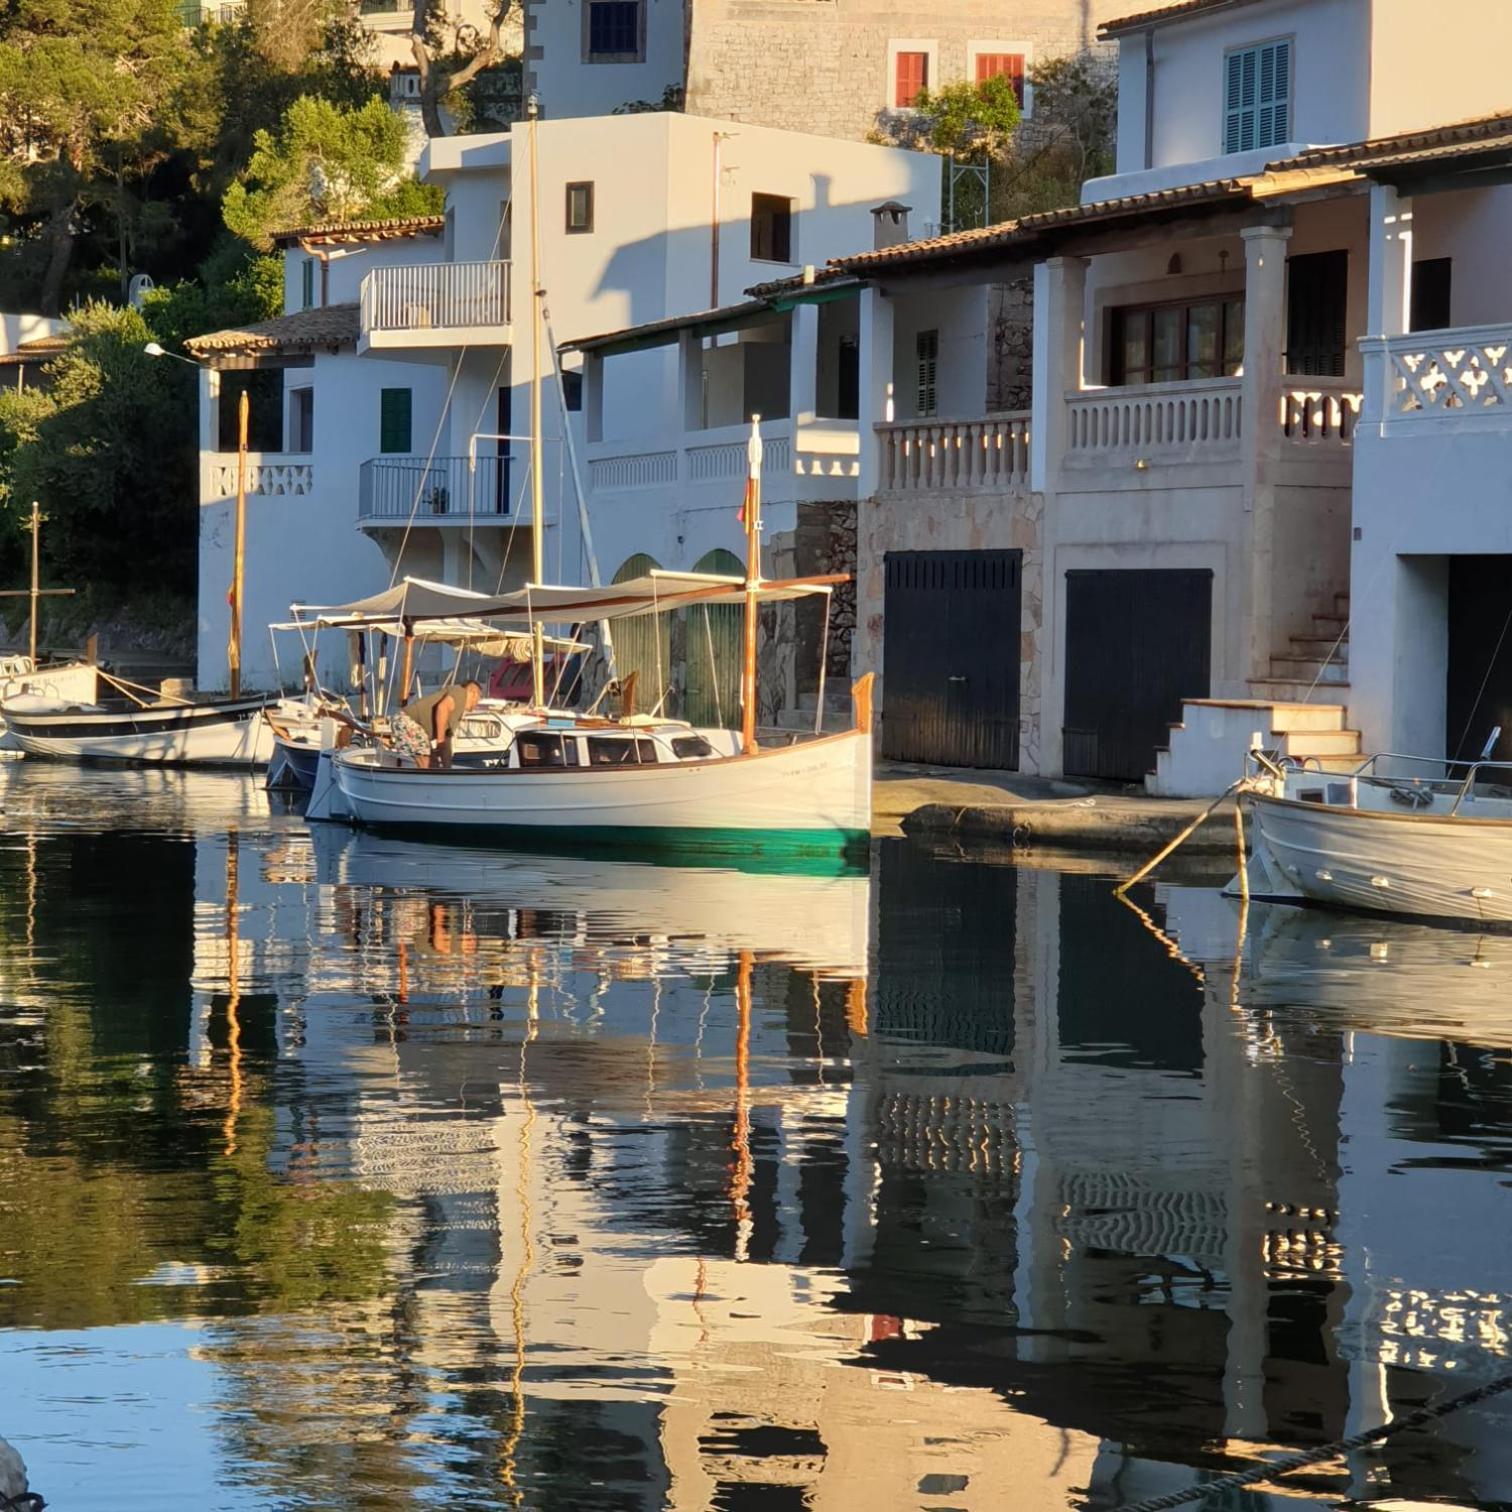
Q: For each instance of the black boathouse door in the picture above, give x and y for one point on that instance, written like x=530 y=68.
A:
x=1137 y=643
x=950 y=692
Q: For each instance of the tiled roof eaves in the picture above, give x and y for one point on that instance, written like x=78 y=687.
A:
x=1483 y=133
x=331 y=326
x=372 y=230
x=1160 y=15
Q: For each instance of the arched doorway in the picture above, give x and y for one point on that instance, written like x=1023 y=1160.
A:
x=643 y=643
x=711 y=651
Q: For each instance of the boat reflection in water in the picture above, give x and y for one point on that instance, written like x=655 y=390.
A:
x=490 y=1180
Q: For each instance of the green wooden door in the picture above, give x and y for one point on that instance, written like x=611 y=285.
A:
x=643 y=643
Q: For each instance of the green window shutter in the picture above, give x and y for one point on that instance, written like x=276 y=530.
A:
x=394 y=420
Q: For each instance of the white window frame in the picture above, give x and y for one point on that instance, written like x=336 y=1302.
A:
x=1024 y=49
x=1257 y=48
x=895 y=45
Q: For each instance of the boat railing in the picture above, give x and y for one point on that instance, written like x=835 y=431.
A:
x=1458 y=779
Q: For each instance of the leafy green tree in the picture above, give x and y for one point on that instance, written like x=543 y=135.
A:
x=110 y=453
x=450 y=57
x=86 y=92
x=968 y=120
x=325 y=163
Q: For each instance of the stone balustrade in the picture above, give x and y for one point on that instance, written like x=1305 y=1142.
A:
x=272 y=476
x=1440 y=376
x=1158 y=422
x=988 y=455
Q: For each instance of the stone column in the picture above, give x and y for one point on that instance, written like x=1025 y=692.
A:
x=803 y=380
x=876 y=363
x=1260 y=445
x=1389 y=305
x=1060 y=297
x=593 y=396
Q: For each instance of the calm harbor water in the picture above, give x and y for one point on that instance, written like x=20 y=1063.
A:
x=342 y=1173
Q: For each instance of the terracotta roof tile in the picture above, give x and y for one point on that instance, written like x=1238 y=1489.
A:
x=359 y=230
x=1160 y=14
x=38 y=349
x=331 y=326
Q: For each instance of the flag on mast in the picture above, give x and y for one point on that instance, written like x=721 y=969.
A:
x=753 y=473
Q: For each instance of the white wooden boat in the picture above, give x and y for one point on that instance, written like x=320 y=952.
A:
x=35 y=686
x=676 y=791
x=1402 y=835
x=223 y=732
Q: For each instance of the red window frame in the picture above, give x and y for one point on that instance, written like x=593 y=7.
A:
x=910 y=75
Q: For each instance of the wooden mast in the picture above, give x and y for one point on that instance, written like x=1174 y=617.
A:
x=751 y=517
x=537 y=494
x=36 y=591
x=238 y=559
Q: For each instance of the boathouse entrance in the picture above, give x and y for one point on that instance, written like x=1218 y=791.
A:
x=1479 y=692
x=950 y=657
x=1137 y=643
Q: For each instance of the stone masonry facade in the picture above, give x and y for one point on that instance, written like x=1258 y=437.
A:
x=956 y=522
x=823 y=66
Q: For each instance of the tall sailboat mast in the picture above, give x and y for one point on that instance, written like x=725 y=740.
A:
x=750 y=517
x=537 y=493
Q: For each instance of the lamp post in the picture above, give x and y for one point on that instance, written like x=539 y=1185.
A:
x=239 y=554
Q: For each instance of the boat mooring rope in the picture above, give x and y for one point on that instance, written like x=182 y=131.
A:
x=1291 y=1463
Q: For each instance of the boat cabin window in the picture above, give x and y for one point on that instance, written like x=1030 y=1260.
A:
x=620 y=750
x=685 y=746
x=546 y=751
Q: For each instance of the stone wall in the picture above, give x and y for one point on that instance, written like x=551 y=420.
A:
x=956 y=522
x=1010 y=348
x=822 y=66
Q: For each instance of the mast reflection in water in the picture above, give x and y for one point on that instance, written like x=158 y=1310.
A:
x=344 y=1172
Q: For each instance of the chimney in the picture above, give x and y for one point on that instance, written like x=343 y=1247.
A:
x=891 y=223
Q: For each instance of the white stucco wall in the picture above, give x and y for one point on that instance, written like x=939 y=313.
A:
x=347 y=264
x=16 y=328
x=1331 y=81
x=568 y=84
x=1448 y=64
x=960 y=316
x=1473 y=228
x=304 y=547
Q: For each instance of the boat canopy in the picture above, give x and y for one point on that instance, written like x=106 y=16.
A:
x=655 y=593
x=411 y=598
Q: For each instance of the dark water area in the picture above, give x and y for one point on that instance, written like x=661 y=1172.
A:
x=339 y=1172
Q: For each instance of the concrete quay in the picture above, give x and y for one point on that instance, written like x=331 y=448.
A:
x=998 y=809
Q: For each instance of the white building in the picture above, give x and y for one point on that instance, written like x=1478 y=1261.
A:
x=1235 y=451
x=593 y=57
x=390 y=436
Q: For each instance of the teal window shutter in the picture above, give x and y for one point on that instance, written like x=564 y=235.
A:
x=394 y=420
x=1257 y=96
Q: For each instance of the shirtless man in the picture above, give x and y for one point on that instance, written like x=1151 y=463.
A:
x=426 y=727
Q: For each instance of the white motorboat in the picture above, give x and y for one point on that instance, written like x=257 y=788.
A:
x=1401 y=835
x=222 y=732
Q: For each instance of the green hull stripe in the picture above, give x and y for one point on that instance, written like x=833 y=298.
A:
x=747 y=850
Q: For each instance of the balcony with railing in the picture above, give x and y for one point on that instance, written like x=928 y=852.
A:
x=436 y=304
x=1441 y=382
x=400 y=491
x=817 y=460
x=990 y=455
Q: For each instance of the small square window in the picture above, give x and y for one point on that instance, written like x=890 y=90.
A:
x=771 y=228
x=579 y=208
x=614 y=31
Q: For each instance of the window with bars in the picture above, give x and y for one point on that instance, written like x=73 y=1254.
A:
x=1179 y=342
x=614 y=31
x=395 y=406
x=927 y=370
x=771 y=228
x=1257 y=96
x=993 y=65
x=910 y=75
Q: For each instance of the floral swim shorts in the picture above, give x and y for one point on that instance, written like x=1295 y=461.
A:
x=409 y=738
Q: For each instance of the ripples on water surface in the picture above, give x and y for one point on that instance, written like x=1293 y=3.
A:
x=339 y=1172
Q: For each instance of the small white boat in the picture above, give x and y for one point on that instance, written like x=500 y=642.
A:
x=650 y=785
x=23 y=679
x=223 y=732
x=1401 y=835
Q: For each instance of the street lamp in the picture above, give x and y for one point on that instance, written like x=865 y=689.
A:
x=238 y=568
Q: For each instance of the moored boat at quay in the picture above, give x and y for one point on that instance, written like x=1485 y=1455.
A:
x=1404 y=835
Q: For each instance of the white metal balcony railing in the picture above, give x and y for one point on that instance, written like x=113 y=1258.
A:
x=436 y=296
x=269 y=474
x=405 y=488
x=920 y=455
x=1434 y=375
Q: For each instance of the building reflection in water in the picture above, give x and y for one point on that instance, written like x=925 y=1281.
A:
x=505 y=1181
